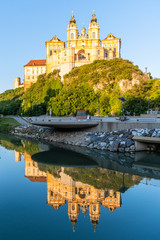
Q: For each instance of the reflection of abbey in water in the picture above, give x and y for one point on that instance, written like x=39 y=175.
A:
x=77 y=194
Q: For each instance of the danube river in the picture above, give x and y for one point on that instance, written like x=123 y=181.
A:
x=60 y=192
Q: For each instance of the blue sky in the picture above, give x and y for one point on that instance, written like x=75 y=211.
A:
x=25 y=26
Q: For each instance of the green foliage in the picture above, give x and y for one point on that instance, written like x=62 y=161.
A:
x=71 y=99
x=101 y=178
x=55 y=171
x=31 y=147
x=6 y=124
x=102 y=70
x=36 y=98
x=143 y=97
x=12 y=143
x=10 y=101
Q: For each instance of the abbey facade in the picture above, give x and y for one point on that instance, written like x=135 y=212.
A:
x=79 y=49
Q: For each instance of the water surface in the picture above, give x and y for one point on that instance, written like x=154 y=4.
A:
x=80 y=194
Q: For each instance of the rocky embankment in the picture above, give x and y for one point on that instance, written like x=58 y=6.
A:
x=116 y=141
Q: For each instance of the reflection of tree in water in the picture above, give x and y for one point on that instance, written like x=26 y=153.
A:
x=21 y=146
x=103 y=178
x=55 y=171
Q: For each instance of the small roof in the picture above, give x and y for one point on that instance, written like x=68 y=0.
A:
x=54 y=39
x=37 y=179
x=110 y=36
x=41 y=62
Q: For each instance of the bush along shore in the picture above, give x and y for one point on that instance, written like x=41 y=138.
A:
x=7 y=124
x=116 y=141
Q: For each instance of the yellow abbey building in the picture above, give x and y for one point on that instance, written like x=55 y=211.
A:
x=79 y=49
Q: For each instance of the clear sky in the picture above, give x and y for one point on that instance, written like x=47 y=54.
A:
x=25 y=26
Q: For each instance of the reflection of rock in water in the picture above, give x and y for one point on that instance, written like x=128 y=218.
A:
x=141 y=163
x=65 y=158
x=82 y=157
x=122 y=162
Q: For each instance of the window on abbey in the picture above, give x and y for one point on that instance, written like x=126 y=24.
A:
x=73 y=207
x=114 y=49
x=93 y=35
x=50 y=52
x=72 y=35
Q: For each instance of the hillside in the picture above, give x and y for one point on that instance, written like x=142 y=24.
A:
x=94 y=87
x=103 y=74
x=97 y=86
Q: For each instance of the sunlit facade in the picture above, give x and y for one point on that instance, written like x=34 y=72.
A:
x=81 y=48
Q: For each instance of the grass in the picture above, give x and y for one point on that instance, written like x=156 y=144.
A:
x=7 y=124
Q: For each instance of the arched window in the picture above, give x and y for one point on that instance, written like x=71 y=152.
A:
x=94 y=208
x=93 y=35
x=73 y=207
x=72 y=35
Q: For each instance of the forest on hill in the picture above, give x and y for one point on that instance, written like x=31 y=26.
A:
x=94 y=87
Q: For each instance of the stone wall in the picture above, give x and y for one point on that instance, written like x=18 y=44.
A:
x=115 y=141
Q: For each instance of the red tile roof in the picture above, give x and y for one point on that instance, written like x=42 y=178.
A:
x=36 y=63
x=37 y=179
x=108 y=37
x=54 y=39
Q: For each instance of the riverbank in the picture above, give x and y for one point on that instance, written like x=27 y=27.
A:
x=115 y=141
x=7 y=124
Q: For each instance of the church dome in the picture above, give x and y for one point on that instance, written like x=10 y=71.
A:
x=93 y=19
x=72 y=20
